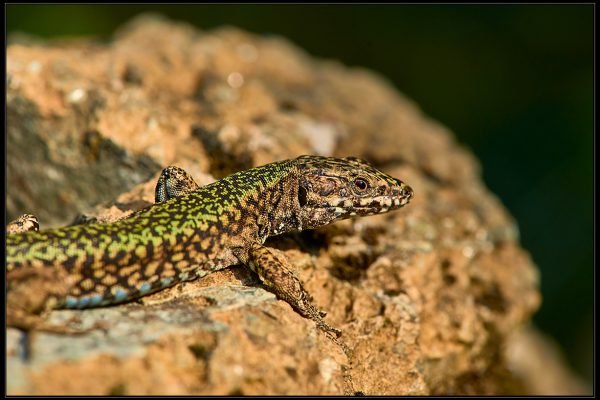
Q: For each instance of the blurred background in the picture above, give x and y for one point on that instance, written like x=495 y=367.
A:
x=514 y=83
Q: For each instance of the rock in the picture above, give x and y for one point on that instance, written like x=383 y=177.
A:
x=427 y=297
x=538 y=361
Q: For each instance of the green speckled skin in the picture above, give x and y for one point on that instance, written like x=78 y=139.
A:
x=192 y=232
x=158 y=246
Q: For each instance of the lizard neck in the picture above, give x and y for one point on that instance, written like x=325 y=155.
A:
x=279 y=201
x=258 y=203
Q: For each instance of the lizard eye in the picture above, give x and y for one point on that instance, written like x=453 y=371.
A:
x=361 y=184
x=302 y=195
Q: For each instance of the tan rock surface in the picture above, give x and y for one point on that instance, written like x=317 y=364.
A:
x=426 y=296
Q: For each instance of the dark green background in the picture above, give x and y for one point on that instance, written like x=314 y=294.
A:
x=514 y=82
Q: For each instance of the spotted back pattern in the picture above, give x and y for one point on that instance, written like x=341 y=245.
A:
x=210 y=228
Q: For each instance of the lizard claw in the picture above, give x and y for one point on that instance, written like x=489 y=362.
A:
x=328 y=328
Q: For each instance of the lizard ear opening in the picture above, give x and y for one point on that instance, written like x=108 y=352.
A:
x=302 y=196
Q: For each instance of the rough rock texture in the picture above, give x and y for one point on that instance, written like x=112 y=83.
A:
x=427 y=297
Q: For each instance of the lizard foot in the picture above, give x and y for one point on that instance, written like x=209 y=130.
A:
x=24 y=223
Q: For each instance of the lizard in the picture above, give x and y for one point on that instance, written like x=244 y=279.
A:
x=191 y=231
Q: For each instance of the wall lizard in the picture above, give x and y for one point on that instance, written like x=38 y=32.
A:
x=189 y=232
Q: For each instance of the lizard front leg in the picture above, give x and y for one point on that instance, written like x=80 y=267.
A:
x=276 y=275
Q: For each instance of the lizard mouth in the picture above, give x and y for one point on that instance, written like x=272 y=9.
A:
x=377 y=205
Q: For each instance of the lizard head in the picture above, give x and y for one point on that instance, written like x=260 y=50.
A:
x=331 y=189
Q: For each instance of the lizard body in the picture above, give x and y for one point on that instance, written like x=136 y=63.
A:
x=192 y=231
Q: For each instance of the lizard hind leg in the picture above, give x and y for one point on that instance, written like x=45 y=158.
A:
x=276 y=275
x=32 y=293
x=173 y=182
x=24 y=223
